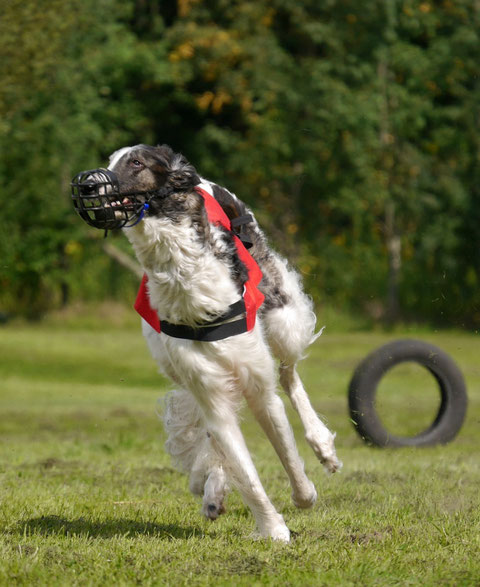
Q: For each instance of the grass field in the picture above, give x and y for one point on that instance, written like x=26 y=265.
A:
x=89 y=497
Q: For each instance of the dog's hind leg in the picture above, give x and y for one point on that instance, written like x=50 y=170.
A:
x=208 y=479
x=189 y=445
x=214 y=492
x=187 y=441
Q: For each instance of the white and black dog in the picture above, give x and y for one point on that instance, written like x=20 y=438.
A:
x=196 y=274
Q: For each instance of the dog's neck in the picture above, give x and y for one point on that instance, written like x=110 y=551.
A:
x=188 y=283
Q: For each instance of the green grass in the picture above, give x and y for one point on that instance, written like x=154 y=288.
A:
x=89 y=497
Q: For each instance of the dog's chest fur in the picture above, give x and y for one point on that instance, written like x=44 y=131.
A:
x=190 y=266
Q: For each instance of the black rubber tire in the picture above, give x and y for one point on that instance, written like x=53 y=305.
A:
x=363 y=388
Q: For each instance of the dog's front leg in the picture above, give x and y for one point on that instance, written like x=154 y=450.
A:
x=316 y=433
x=228 y=441
x=270 y=412
x=209 y=375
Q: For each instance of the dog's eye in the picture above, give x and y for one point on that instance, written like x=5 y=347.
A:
x=137 y=163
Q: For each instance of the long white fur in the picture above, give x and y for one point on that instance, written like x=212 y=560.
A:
x=187 y=284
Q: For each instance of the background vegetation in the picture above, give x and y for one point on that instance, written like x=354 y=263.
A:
x=353 y=132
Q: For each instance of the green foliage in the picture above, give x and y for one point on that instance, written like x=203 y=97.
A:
x=348 y=130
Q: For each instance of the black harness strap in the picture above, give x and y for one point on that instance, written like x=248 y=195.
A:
x=218 y=329
x=239 y=222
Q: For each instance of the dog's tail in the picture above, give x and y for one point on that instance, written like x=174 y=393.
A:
x=184 y=427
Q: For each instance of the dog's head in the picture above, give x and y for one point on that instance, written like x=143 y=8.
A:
x=146 y=169
x=137 y=178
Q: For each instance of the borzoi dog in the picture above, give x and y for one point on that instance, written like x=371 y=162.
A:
x=216 y=315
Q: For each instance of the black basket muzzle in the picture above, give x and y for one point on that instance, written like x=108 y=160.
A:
x=97 y=198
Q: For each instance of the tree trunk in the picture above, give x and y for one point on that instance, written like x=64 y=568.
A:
x=392 y=239
x=123 y=259
x=394 y=249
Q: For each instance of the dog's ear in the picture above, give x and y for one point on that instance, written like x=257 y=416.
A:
x=163 y=155
x=233 y=207
x=180 y=174
x=162 y=159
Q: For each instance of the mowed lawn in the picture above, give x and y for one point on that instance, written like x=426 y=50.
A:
x=89 y=497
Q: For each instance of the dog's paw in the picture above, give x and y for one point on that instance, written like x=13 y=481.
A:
x=332 y=464
x=324 y=448
x=305 y=499
x=280 y=533
x=274 y=528
x=211 y=510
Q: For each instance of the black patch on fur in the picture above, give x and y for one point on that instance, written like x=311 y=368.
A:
x=180 y=177
x=179 y=205
x=238 y=270
x=271 y=284
x=233 y=207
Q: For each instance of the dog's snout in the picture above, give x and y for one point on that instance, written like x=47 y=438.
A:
x=88 y=188
x=97 y=199
x=99 y=182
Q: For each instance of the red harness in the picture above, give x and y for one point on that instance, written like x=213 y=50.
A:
x=252 y=296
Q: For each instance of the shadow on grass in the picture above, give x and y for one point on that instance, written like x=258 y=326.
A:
x=57 y=526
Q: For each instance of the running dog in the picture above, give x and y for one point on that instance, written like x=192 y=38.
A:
x=219 y=306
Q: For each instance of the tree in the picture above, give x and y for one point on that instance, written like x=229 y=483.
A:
x=353 y=134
